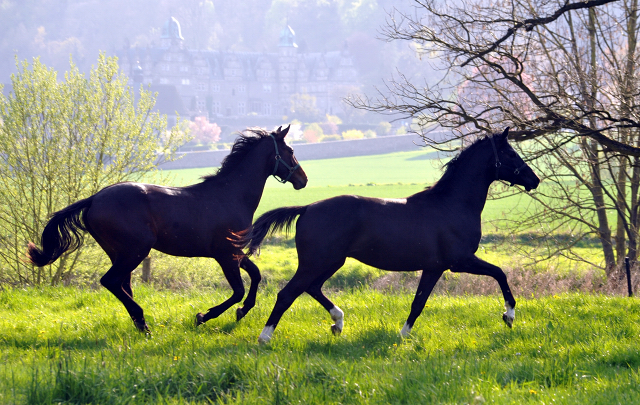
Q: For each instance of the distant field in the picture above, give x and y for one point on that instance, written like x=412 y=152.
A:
x=393 y=175
x=404 y=167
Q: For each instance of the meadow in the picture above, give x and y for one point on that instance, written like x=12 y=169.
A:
x=61 y=345
x=77 y=345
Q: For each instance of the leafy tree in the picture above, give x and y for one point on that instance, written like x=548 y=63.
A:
x=563 y=75
x=303 y=106
x=62 y=141
x=312 y=133
x=204 y=131
x=383 y=128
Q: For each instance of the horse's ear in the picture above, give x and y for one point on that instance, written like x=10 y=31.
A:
x=505 y=134
x=281 y=133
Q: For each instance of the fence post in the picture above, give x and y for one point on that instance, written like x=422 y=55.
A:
x=629 y=288
x=146 y=269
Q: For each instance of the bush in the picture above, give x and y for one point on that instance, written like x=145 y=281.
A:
x=369 y=134
x=329 y=128
x=312 y=133
x=64 y=140
x=383 y=128
x=330 y=138
x=352 y=134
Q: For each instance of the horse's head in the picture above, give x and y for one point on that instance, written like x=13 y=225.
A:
x=286 y=166
x=509 y=166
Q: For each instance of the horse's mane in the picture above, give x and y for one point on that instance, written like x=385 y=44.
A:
x=460 y=158
x=241 y=147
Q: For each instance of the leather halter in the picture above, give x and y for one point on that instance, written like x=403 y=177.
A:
x=285 y=164
x=498 y=163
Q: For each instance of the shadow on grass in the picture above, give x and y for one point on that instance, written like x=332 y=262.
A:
x=371 y=342
x=213 y=327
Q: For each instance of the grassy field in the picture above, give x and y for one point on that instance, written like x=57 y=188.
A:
x=75 y=346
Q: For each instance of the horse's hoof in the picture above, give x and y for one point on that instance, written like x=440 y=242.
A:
x=239 y=314
x=507 y=319
x=142 y=327
x=335 y=330
x=199 y=319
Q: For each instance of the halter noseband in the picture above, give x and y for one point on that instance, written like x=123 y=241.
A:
x=498 y=163
x=285 y=164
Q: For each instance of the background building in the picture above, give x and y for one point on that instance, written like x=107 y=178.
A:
x=224 y=85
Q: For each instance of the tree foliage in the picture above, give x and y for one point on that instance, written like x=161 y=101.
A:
x=204 y=131
x=64 y=140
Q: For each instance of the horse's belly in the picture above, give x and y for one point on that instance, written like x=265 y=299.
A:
x=397 y=257
x=401 y=253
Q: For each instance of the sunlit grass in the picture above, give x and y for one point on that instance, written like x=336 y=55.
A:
x=78 y=346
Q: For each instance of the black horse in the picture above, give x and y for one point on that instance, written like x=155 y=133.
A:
x=434 y=230
x=129 y=219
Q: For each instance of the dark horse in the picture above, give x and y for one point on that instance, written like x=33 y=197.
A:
x=434 y=230
x=129 y=219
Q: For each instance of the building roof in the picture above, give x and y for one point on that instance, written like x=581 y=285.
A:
x=287 y=37
x=171 y=29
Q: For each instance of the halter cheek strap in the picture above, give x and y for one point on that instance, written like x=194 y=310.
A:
x=495 y=153
x=285 y=164
x=498 y=163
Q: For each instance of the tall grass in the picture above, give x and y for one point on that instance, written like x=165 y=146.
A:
x=62 y=345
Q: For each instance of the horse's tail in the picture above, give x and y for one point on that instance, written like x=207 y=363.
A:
x=269 y=223
x=62 y=233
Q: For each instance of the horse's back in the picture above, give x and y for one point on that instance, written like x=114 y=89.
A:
x=172 y=220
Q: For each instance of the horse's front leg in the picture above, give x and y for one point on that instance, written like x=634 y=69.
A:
x=428 y=280
x=254 y=274
x=478 y=266
x=231 y=270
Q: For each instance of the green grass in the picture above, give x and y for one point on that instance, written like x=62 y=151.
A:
x=62 y=345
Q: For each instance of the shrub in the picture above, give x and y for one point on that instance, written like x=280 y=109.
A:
x=312 y=133
x=330 y=138
x=383 y=128
x=203 y=131
x=369 y=134
x=352 y=134
x=329 y=128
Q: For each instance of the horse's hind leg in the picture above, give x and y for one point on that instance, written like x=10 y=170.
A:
x=428 y=280
x=296 y=286
x=482 y=268
x=315 y=290
x=126 y=285
x=118 y=281
x=231 y=270
x=254 y=274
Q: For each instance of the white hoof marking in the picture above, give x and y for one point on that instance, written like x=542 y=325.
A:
x=510 y=315
x=265 y=336
x=338 y=317
x=406 y=330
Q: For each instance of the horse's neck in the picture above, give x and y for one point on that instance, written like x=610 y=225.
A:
x=469 y=185
x=244 y=185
